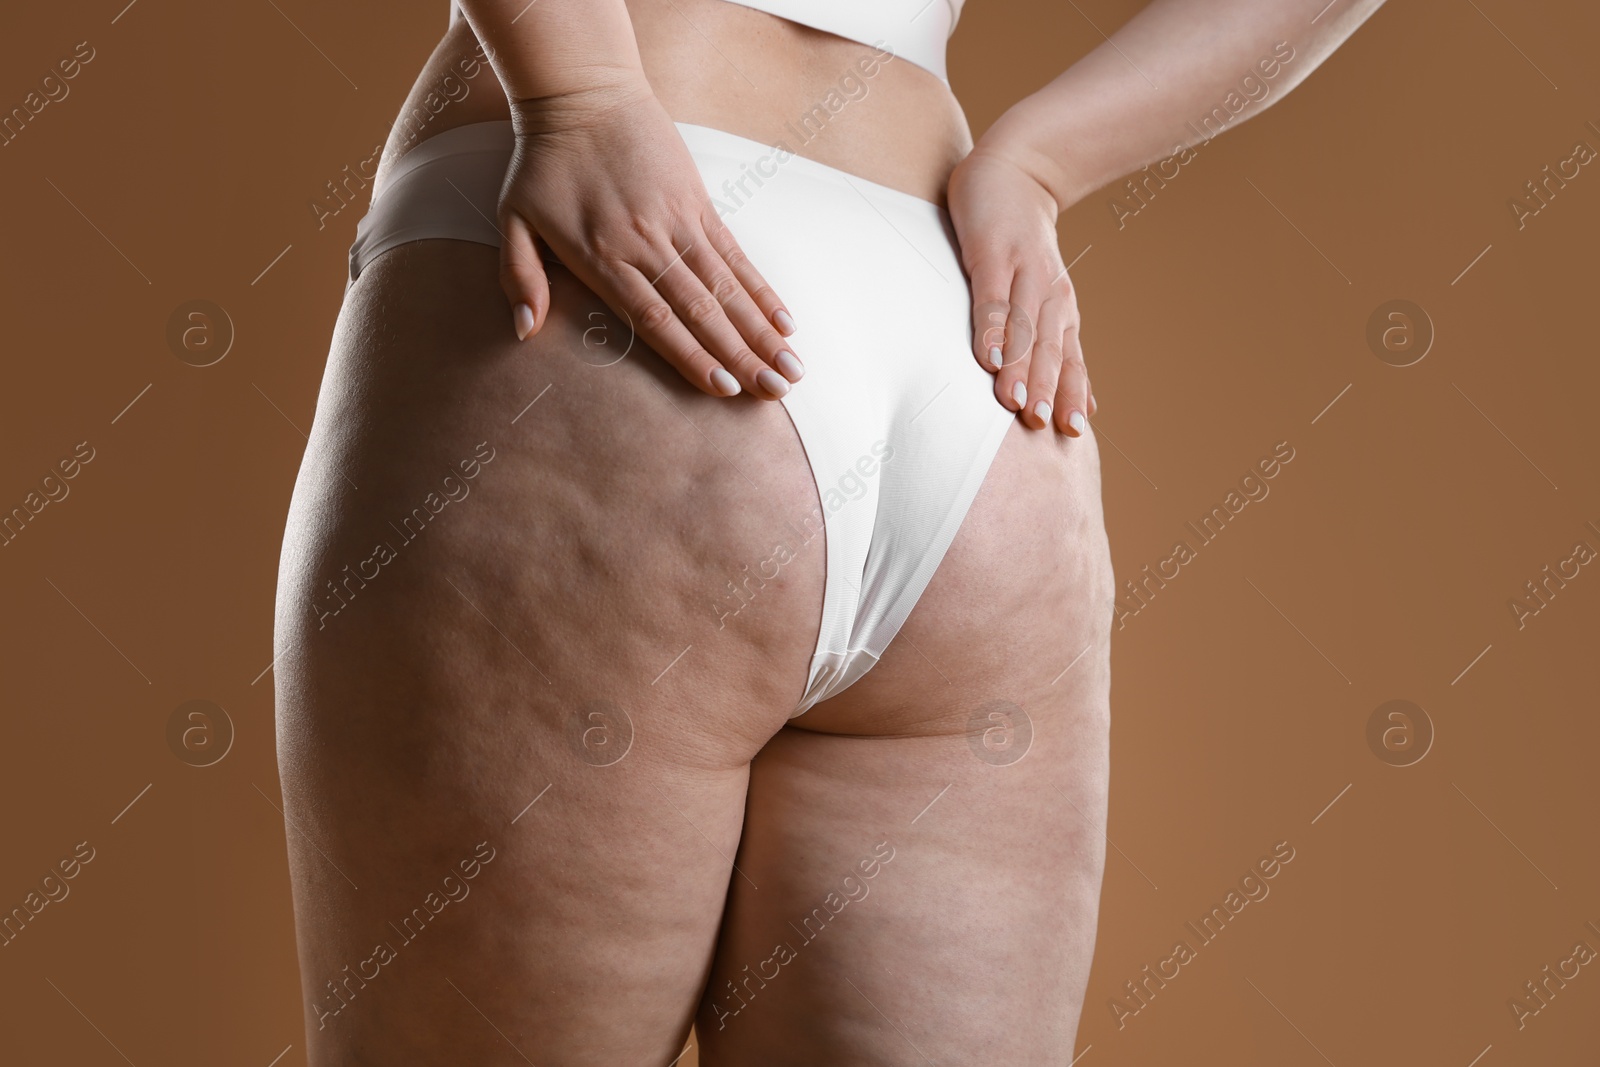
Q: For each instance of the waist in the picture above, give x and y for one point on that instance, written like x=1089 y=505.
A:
x=914 y=30
x=729 y=67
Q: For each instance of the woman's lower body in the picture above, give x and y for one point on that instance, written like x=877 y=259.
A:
x=546 y=614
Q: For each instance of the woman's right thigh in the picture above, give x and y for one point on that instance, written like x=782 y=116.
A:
x=930 y=842
x=517 y=695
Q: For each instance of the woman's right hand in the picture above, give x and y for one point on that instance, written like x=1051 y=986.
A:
x=1025 y=310
x=603 y=177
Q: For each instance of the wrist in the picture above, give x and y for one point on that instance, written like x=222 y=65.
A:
x=1012 y=139
x=586 y=101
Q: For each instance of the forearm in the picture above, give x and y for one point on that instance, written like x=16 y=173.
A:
x=1178 y=73
x=544 y=50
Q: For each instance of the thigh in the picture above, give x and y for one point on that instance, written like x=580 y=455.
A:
x=929 y=848
x=514 y=715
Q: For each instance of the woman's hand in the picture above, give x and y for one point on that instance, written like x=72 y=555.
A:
x=1024 y=311
x=603 y=177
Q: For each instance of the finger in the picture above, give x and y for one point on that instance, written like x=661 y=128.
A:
x=1021 y=331
x=658 y=326
x=1044 y=365
x=702 y=313
x=991 y=303
x=1073 y=399
x=522 y=275
x=755 y=286
x=746 y=317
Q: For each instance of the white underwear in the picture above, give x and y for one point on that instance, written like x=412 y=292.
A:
x=898 y=422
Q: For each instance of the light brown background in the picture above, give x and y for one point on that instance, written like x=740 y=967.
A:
x=1225 y=317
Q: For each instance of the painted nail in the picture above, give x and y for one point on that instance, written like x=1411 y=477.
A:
x=522 y=320
x=768 y=379
x=790 y=367
x=785 y=324
x=1076 y=421
x=1019 y=393
x=727 y=383
x=996 y=360
x=1042 y=410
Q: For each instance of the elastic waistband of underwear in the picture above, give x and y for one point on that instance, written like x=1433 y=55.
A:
x=704 y=142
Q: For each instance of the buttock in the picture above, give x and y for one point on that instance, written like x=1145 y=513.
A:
x=897 y=422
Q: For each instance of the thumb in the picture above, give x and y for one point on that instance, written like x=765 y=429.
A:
x=522 y=275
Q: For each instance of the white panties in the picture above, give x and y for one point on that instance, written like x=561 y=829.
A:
x=898 y=421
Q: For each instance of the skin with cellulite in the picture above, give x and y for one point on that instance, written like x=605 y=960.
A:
x=503 y=623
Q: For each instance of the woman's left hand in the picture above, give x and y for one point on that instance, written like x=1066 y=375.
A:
x=1024 y=311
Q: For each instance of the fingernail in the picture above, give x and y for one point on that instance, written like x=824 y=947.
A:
x=1093 y=405
x=785 y=324
x=996 y=360
x=1042 y=410
x=1077 y=422
x=522 y=321
x=727 y=383
x=768 y=379
x=1019 y=393
x=790 y=367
